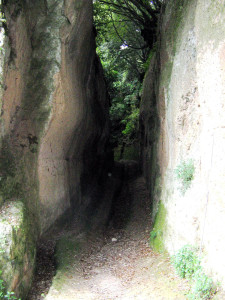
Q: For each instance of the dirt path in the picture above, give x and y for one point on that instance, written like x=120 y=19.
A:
x=116 y=263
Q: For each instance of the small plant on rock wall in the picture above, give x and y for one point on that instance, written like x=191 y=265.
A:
x=202 y=287
x=188 y=265
x=185 y=174
x=186 y=262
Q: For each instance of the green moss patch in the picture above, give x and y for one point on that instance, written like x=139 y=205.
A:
x=167 y=72
x=45 y=62
x=67 y=247
x=66 y=250
x=156 y=235
x=16 y=247
x=177 y=11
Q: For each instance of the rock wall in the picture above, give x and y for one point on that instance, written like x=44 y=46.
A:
x=54 y=121
x=182 y=124
x=16 y=252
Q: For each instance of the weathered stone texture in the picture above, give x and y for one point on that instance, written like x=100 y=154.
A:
x=54 y=123
x=16 y=259
x=190 y=93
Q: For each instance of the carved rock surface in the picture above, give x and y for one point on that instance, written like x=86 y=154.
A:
x=54 y=122
x=182 y=119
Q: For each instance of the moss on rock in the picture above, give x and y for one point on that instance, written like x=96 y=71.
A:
x=176 y=10
x=45 y=62
x=156 y=236
x=17 y=250
x=10 y=176
x=66 y=249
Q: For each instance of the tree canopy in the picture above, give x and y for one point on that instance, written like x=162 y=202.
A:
x=126 y=33
x=142 y=13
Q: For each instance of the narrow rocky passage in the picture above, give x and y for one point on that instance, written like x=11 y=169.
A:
x=111 y=263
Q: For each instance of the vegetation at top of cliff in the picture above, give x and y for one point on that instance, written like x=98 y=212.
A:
x=142 y=13
x=17 y=8
x=126 y=33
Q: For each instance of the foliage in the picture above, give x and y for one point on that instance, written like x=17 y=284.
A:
x=143 y=14
x=123 y=49
x=5 y=294
x=186 y=262
x=188 y=265
x=185 y=174
x=2 y=15
x=203 y=287
x=150 y=56
x=131 y=122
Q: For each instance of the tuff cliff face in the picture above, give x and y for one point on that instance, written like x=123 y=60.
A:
x=54 y=128
x=187 y=134
x=54 y=123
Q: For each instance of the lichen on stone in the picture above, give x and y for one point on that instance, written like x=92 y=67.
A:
x=45 y=61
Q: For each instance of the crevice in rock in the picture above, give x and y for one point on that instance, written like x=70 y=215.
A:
x=104 y=222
